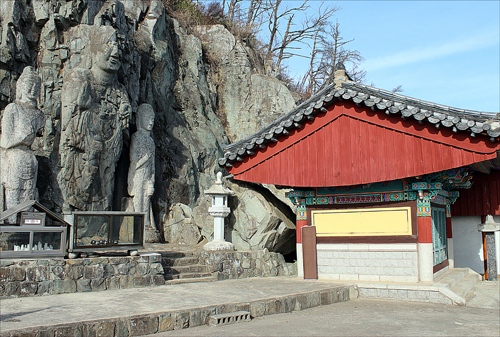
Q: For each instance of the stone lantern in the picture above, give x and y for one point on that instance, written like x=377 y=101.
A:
x=219 y=211
x=489 y=227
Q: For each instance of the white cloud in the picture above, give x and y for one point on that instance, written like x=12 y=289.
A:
x=415 y=55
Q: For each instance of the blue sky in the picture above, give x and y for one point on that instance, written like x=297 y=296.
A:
x=446 y=52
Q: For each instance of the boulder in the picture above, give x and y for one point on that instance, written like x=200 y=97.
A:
x=179 y=227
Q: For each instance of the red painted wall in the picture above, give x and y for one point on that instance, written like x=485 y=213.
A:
x=350 y=145
x=482 y=198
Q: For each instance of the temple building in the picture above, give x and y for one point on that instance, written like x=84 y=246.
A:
x=375 y=176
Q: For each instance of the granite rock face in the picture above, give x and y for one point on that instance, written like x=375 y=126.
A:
x=99 y=60
x=249 y=99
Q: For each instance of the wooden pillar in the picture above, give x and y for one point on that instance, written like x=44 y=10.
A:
x=485 y=255
x=301 y=221
x=425 y=249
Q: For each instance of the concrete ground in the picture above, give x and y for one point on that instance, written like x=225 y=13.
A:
x=363 y=317
x=119 y=312
x=486 y=294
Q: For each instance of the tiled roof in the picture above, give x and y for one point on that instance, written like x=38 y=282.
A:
x=459 y=120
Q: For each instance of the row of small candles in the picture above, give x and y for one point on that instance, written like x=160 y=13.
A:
x=38 y=246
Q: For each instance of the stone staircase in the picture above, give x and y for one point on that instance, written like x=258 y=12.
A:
x=184 y=267
x=460 y=281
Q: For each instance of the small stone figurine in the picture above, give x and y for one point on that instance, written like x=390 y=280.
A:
x=141 y=174
x=20 y=123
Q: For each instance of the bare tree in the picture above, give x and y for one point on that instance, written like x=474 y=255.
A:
x=254 y=15
x=233 y=10
x=286 y=37
x=282 y=46
x=399 y=88
x=328 y=50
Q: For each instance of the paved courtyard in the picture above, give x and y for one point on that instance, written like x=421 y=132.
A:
x=364 y=317
x=141 y=311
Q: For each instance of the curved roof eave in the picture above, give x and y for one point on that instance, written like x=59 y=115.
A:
x=475 y=122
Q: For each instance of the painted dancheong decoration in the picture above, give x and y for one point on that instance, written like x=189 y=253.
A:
x=376 y=172
x=219 y=210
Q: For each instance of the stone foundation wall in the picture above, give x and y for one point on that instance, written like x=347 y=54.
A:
x=233 y=265
x=57 y=276
x=396 y=262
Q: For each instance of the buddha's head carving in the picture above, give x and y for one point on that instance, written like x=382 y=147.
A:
x=28 y=85
x=145 y=117
x=107 y=54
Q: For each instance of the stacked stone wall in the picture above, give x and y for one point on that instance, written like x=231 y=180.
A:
x=57 y=276
x=234 y=264
x=34 y=277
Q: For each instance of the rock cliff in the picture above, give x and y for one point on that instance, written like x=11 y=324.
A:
x=206 y=87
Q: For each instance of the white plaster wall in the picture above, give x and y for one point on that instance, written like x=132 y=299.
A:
x=368 y=262
x=300 y=261
x=468 y=243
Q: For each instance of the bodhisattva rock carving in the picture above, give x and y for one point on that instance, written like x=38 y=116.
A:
x=20 y=122
x=95 y=118
x=141 y=174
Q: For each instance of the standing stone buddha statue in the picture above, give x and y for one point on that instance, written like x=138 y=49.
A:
x=20 y=123
x=141 y=174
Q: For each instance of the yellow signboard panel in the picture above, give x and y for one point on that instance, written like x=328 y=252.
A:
x=363 y=222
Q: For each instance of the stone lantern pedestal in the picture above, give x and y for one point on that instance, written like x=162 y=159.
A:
x=219 y=210
x=489 y=227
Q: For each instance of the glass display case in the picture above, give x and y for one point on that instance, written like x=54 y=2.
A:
x=94 y=231
x=36 y=232
x=32 y=241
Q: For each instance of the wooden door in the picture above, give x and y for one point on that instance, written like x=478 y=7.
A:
x=439 y=235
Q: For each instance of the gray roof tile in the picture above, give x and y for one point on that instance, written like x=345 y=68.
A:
x=474 y=122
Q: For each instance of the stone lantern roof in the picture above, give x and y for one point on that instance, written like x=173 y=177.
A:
x=489 y=225
x=218 y=188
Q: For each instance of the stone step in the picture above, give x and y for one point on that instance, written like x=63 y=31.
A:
x=179 y=261
x=463 y=287
x=191 y=280
x=229 y=318
x=186 y=275
x=452 y=277
x=198 y=268
x=174 y=255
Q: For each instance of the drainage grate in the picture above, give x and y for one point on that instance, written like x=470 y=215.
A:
x=232 y=317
